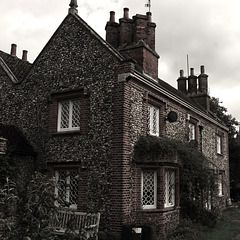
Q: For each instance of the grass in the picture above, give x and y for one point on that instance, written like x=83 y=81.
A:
x=228 y=228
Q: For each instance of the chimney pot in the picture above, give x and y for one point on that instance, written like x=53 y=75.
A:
x=202 y=69
x=181 y=73
x=24 y=55
x=112 y=16
x=126 y=13
x=13 y=49
x=149 y=15
x=191 y=71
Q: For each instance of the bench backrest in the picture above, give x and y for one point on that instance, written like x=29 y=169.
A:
x=78 y=221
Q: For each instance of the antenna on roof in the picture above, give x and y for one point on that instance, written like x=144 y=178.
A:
x=148 y=5
x=187 y=66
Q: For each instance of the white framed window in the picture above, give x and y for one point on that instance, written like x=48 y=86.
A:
x=69 y=115
x=192 y=131
x=220 y=184
x=219 y=144
x=153 y=120
x=67 y=187
x=169 y=188
x=149 y=189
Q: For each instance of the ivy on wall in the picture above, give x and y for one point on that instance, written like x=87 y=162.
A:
x=197 y=180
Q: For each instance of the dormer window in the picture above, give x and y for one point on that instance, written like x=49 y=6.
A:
x=69 y=115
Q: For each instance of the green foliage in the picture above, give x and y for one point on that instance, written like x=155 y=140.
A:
x=197 y=180
x=227 y=119
x=27 y=211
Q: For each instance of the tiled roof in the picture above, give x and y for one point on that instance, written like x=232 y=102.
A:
x=18 y=67
x=15 y=140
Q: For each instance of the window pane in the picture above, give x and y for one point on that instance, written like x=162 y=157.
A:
x=191 y=131
x=149 y=189
x=153 y=120
x=67 y=186
x=169 y=199
x=64 y=115
x=219 y=150
x=75 y=113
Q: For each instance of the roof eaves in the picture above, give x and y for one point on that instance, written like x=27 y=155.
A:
x=176 y=98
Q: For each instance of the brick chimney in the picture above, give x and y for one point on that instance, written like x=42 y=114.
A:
x=136 y=38
x=192 y=82
x=197 y=87
x=3 y=145
x=182 y=82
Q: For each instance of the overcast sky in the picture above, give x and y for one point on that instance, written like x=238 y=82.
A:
x=208 y=31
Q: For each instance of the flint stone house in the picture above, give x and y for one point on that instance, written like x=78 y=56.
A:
x=83 y=104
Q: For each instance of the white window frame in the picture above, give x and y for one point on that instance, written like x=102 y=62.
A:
x=219 y=144
x=192 y=131
x=67 y=199
x=168 y=204
x=70 y=116
x=153 y=130
x=148 y=206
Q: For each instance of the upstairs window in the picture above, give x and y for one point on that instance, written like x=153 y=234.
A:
x=67 y=187
x=219 y=144
x=149 y=189
x=169 y=191
x=153 y=120
x=69 y=115
x=192 y=131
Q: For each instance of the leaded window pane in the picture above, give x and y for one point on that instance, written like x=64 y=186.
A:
x=76 y=113
x=219 y=145
x=169 y=198
x=149 y=189
x=64 y=115
x=69 y=115
x=192 y=130
x=153 y=120
x=67 y=186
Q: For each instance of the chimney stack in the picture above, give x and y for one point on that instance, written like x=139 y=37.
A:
x=192 y=82
x=203 y=81
x=13 y=49
x=24 y=55
x=182 y=82
x=199 y=95
x=135 y=37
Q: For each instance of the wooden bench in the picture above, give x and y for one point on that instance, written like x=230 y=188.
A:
x=85 y=225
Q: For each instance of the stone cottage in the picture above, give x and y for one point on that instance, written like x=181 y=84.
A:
x=84 y=103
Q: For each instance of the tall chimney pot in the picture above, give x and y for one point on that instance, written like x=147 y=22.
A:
x=24 y=55
x=191 y=71
x=149 y=15
x=13 y=49
x=126 y=13
x=112 y=16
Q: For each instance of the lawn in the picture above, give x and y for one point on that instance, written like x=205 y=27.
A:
x=228 y=228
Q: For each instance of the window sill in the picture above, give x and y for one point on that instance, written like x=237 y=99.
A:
x=61 y=133
x=167 y=209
